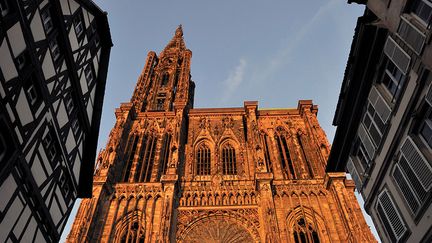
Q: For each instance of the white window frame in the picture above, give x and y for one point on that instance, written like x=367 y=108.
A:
x=420 y=19
x=392 y=49
x=414 y=28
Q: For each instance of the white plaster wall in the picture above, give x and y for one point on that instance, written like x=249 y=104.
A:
x=25 y=115
x=48 y=66
x=7 y=65
x=37 y=27
x=16 y=39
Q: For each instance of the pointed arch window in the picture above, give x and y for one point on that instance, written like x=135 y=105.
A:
x=146 y=159
x=301 y=140
x=264 y=139
x=165 y=79
x=304 y=232
x=165 y=154
x=133 y=142
x=229 y=163
x=203 y=160
x=133 y=234
x=284 y=154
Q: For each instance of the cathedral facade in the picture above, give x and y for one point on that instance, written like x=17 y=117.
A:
x=174 y=173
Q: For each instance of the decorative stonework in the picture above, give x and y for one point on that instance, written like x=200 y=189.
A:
x=173 y=173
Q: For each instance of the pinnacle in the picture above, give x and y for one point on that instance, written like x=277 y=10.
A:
x=177 y=40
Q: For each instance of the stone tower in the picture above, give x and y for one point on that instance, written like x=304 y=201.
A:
x=172 y=173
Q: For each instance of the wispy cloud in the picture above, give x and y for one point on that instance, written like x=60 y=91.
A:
x=283 y=55
x=235 y=78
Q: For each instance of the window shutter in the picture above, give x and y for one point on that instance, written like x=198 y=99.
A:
x=364 y=137
x=405 y=188
x=354 y=174
x=417 y=162
x=412 y=36
x=381 y=106
x=429 y=96
x=391 y=218
x=395 y=53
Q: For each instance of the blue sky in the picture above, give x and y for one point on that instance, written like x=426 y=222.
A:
x=275 y=52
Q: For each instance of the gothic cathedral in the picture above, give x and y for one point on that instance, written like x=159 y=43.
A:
x=174 y=173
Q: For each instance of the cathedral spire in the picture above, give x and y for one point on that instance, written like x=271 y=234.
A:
x=177 y=41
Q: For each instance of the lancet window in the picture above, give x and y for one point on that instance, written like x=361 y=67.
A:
x=146 y=158
x=284 y=154
x=304 y=232
x=165 y=79
x=165 y=153
x=203 y=160
x=264 y=139
x=229 y=162
x=302 y=148
x=133 y=142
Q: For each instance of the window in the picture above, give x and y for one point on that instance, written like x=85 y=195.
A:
x=269 y=165
x=301 y=140
x=46 y=20
x=391 y=219
x=425 y=130
x=133 y=233
x=354 y=174
x=31 y=94
x=284 y=154
x=165 y=79
x=4 y=7
x=49 y=144
x=55 y=50
x=32 y=91
x=22 y=60
x=76 y=128
x=397 y=55
x=423 y=10
x=229 y=164
x=78 y=25
x=69 y=104
x=165 y=153
x=160 y=104
x=146 y=159
x=203 y=160
x=89 y=73
x=393 y=79
x=374 y=121
x=411 y=35
x=133 y=142
x=305 y=232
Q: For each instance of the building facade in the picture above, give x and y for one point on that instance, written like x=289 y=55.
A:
x=384 y=121
x=174 y=173
x=53 y=66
